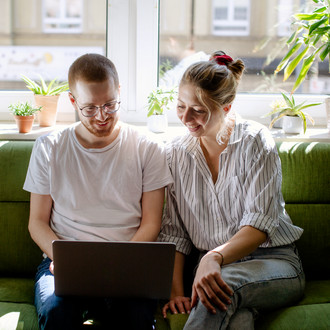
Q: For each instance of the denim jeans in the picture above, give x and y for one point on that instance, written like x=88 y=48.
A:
x=267 y=279
x=70 y=312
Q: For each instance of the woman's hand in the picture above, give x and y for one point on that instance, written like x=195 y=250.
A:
x=177 y=305
x=209 y=286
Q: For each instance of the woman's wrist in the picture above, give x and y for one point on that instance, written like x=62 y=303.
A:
x=219 y=255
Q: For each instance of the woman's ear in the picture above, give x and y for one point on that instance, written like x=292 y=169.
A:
x=227 y=107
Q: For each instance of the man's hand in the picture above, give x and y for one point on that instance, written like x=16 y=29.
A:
x=209 y=286
x=178 y=305
x=51 y=267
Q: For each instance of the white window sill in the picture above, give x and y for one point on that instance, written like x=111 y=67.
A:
x=8 y=131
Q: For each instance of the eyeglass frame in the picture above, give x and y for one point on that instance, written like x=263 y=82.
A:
x=97 y=107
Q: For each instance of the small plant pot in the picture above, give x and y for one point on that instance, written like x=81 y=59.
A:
x=157 y=123
x=293 y=125
x=327 y=109
x=24 y=123
x=48 y=112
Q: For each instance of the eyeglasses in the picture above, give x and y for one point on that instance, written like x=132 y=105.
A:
x=93 y=110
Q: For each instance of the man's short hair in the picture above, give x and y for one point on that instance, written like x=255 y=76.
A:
x=92 y=68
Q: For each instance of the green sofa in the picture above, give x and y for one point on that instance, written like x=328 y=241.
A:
x=306 y=190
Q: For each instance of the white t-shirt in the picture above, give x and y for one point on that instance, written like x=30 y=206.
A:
x=96 y=192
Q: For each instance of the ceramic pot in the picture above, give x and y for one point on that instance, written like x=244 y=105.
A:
x=24 y=123
x=157 y=123
x=293 y=125
x=327 y=109
x=47 y=114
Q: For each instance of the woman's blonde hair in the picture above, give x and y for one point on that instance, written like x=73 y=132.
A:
x=216 y=83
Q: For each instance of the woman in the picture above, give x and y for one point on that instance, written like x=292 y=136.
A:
x=226 y=201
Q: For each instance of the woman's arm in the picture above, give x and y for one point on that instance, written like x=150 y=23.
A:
x=178 y=302
x=40 y=231
x=152 y=208
x=208 y=285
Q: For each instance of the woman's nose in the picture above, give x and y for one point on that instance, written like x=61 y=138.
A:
x=186 y=116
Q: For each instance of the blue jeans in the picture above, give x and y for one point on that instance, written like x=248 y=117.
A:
x=70 y=312
x=267 y=279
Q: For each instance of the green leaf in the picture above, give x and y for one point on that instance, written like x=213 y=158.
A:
x=307 y=17
x=320 y=10
x=302 y=116
x=316 y=25
x=307 y=63
x=325 y=52
x=293 y=64
x=277 y=118
x=309 y=105
x=292 y=51
x=287 y=100
x=293 y=35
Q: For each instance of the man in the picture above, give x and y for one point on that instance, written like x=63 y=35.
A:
x=95 y=180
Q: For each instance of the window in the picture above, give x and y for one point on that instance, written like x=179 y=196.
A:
x=62 y=16
x=46 y=40
x=231 y=17
x=255 y=31
x=127 y=31
x=285 y=10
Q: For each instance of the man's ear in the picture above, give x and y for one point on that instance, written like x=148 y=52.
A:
x=72 y=100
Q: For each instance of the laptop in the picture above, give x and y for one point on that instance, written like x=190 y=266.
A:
x=113 y=269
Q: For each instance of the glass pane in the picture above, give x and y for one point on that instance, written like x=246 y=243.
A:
x=26 y=48
x=52 y=8
x=74 y=8
x=254 y=30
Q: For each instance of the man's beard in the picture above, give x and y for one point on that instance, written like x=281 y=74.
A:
x=99 y=133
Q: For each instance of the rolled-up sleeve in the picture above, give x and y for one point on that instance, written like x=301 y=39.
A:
x=262 y=191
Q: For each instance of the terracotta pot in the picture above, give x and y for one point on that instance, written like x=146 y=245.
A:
x=47 y=114
x=24 y=123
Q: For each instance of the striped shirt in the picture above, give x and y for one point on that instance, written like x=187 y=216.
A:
x=247 y=192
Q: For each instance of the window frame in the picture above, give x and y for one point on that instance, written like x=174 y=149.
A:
x=230 y=21
x=63 y=19
x=132 y=44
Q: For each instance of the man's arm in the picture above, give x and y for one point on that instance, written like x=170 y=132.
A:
x=152 y=209
x=40 y=231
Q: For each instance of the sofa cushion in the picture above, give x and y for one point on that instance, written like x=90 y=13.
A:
x=14 y=160
x=18 y=316
x=306 y=172
x=17 y=290
x=19 y=255
x=316 y=292
x=308 y=317
x=314 y=244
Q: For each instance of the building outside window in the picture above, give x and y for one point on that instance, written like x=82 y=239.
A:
x=46 y=36
x=231 y=17
x=62 y=16
x=253 y=30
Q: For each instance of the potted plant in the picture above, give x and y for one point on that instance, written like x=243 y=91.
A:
x=294 y=118
x=24 y=115
x=159 y=100
x=46 y=96
x=310 y=39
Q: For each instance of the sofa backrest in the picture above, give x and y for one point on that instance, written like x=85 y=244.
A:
x=305 y=187
x=306 y=191
x=19 y=255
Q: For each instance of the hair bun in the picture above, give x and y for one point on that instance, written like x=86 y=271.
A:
x=222 y=59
